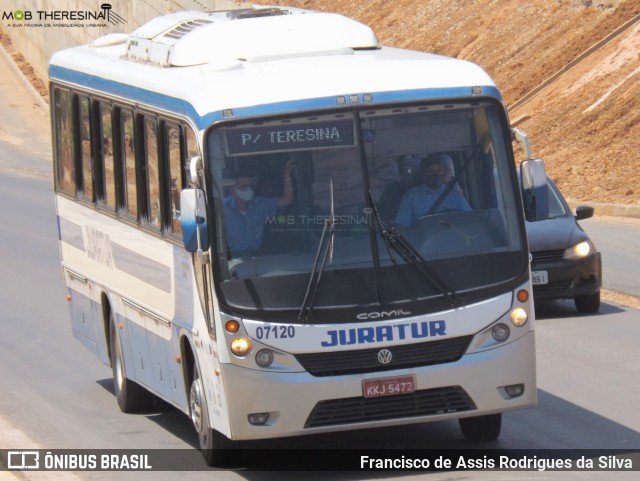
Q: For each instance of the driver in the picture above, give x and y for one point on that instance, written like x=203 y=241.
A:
x=418 y=201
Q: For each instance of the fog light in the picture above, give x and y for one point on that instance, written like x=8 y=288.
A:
x=240 y=346
x=264 y=358
x=515 y=390
x=258 y=419
x=519 y=316
x=500 y=332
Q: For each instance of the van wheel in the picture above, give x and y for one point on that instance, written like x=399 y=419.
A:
x=588 y=304
x=131 y=396
x=481 y=428
x=213 y=445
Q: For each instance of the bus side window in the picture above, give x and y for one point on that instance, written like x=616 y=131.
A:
x=86 y=159
x=64 y=144
x=108 y=167
x=153 y=170
x=129 y=174
x=174 y=158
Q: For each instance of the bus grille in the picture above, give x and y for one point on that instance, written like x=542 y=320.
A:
x=428 y=402
x=366 y=360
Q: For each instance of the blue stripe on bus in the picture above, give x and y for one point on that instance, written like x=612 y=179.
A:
x=451 y=93
x=125 y=91
x=173 y=104
x=433 y=94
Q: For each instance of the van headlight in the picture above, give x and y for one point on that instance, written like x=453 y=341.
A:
x=580 y=250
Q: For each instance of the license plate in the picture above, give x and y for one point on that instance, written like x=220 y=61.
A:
x=389 y=386
x=539 y=277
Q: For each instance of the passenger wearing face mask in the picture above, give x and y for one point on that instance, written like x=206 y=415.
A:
x=418 y=201
x=245 y=214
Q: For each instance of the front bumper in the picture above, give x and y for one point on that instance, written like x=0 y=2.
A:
x=299 y=403
x=569 y=278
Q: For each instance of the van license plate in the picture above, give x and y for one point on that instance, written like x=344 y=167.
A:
x=389 y=386
x=539 y=277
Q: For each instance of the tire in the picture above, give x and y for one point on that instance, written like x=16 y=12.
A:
x=588 y=304
x=131 y=396
x=481 y=428
x=215 y=447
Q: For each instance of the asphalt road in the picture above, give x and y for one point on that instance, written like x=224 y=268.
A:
x=59 y=396
x=54 y=394
x=619 y=242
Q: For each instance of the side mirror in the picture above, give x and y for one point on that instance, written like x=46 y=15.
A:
x=535 y=193
x=584 y=212
x=193 y=217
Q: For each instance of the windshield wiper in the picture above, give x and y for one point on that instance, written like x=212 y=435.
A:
x=381 y=227
x=396 y=241
x=314 y=280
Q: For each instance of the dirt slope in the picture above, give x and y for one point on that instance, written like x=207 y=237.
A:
x=587 y=124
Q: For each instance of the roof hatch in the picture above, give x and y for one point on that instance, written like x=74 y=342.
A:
x=197 y=38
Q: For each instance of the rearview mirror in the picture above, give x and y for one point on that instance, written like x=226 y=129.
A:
x=193 y=217
x=584 y=212
x=535 y=193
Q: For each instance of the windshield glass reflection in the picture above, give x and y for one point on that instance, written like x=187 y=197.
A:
x=439 y=177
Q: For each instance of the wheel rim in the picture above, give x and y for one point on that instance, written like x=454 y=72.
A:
x=119 y=372
x=118 y=365
x=195 y=405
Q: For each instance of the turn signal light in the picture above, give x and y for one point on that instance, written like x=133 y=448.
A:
x=523 y=295
x=232 y=326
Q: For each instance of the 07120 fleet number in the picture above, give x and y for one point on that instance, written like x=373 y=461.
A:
x=275 y=332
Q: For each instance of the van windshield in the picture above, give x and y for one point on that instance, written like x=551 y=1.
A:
x=314 y=195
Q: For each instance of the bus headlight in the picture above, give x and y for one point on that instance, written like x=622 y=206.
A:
x=264 y=357
x=241 y=346
x=519 y=316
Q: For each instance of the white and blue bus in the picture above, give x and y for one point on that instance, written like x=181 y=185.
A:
x=281 y=227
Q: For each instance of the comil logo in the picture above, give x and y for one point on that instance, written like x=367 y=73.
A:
x=36 y=18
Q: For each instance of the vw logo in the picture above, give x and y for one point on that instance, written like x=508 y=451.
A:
x=384 y=356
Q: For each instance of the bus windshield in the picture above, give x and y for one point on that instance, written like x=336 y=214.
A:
x=328 y=202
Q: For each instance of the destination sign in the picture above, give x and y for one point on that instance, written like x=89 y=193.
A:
x=272 y=138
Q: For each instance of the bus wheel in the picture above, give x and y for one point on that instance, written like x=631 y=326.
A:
x=213 y=445
x=481 y=428
x=131 y=396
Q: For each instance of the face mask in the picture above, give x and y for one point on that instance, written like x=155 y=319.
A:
x=434 y=181
x=245 y=194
